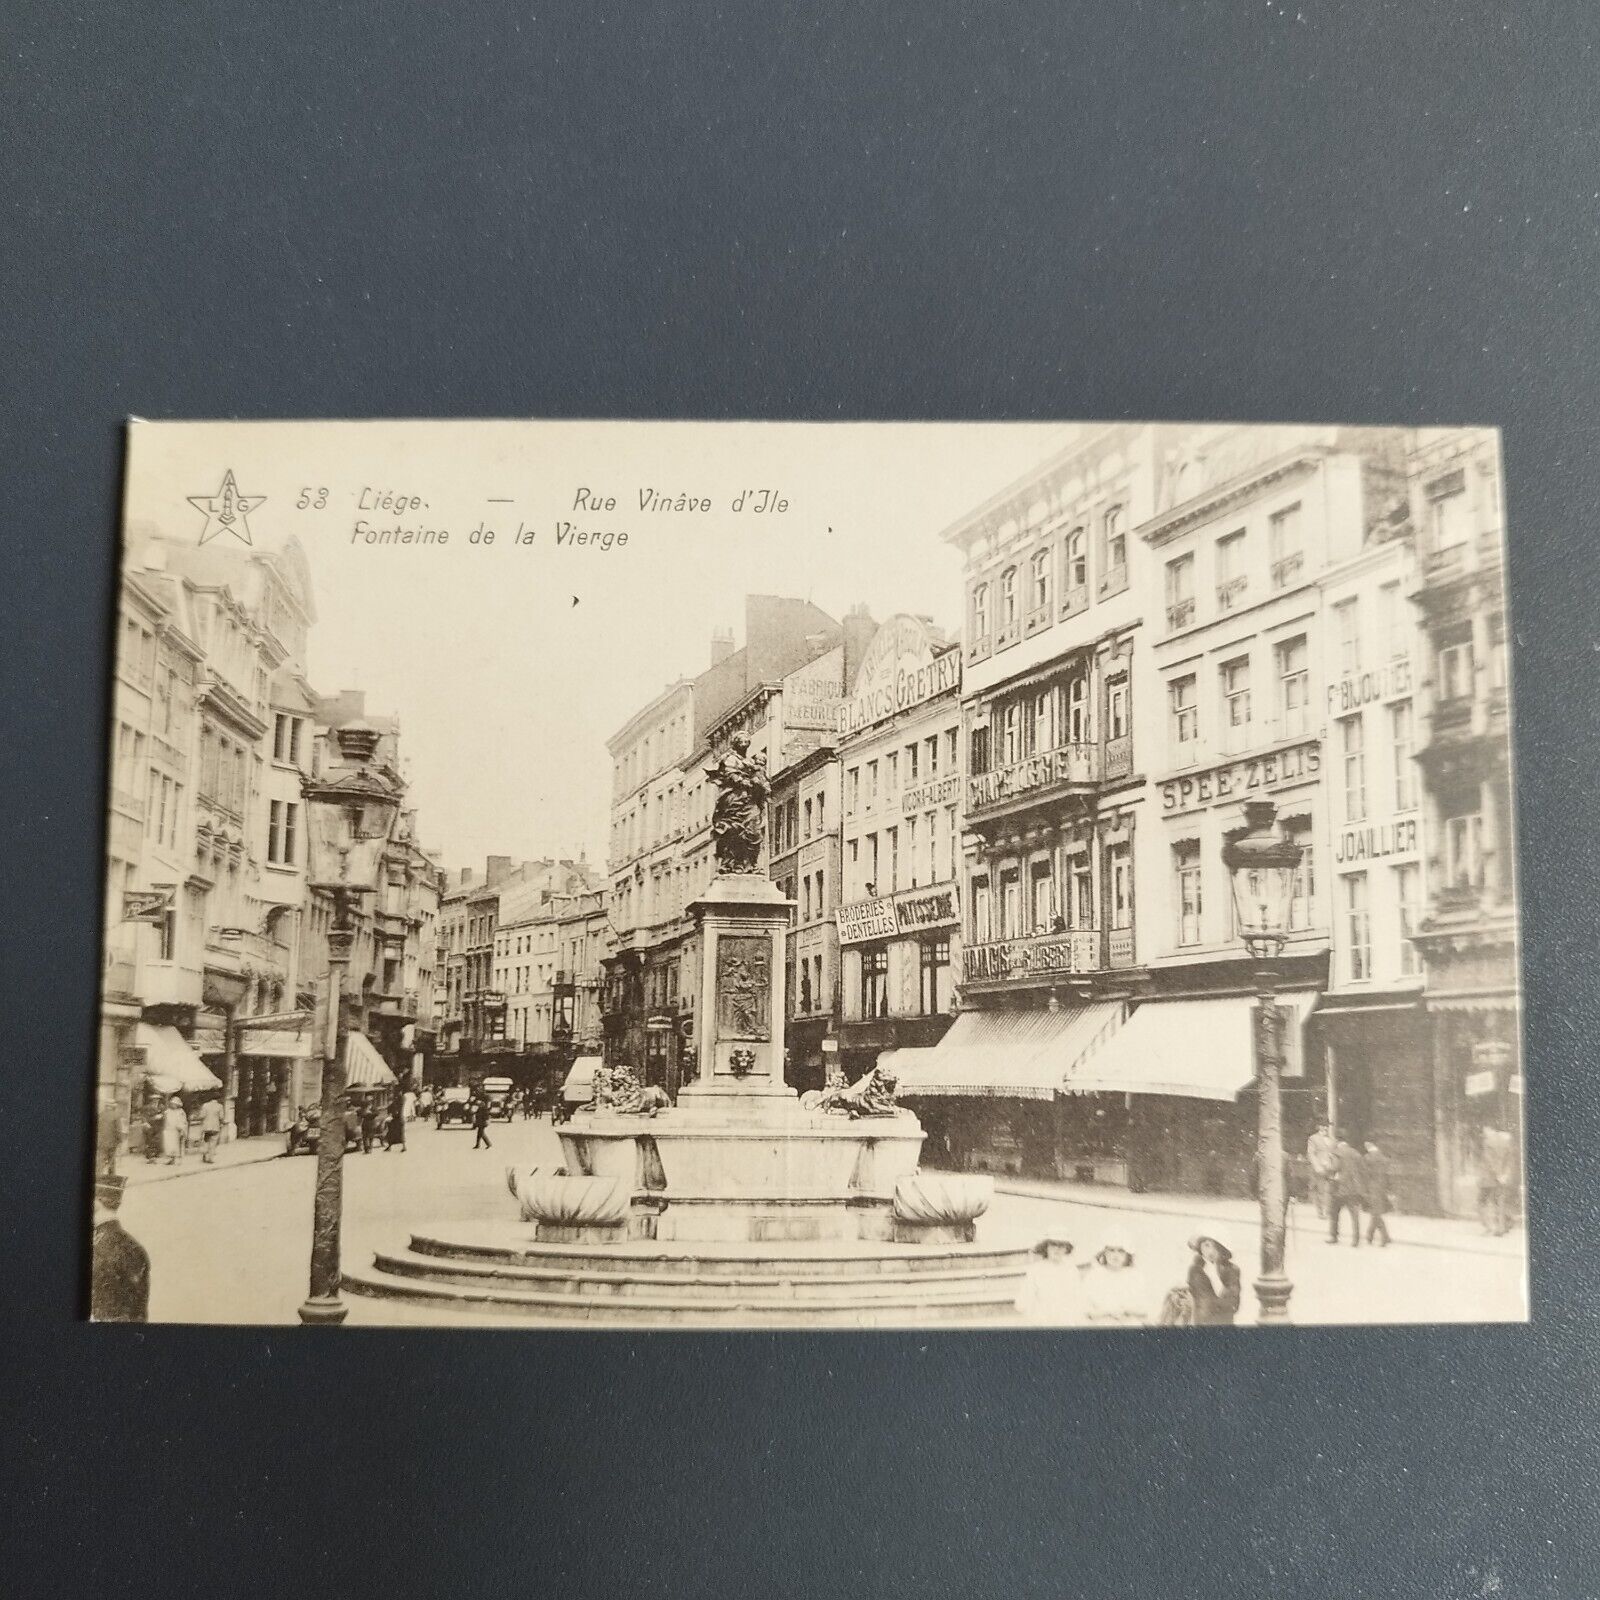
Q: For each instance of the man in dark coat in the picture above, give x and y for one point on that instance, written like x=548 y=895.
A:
x=480 y=1123
x=1346 y=1189
x=1375 y=1167
x=119 y=1285
x=369 y=1124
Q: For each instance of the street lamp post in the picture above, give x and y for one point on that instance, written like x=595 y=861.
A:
x=1262 y=863
x=351 y=815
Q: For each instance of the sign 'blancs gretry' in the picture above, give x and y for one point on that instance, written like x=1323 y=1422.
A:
x=903 y=666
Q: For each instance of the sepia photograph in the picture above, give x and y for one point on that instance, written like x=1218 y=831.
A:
x=710 y=875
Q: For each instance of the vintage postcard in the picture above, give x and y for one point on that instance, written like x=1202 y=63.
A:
x=725 y=875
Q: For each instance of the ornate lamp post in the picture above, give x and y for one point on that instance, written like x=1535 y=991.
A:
x=351 y=812
x=1262 y=864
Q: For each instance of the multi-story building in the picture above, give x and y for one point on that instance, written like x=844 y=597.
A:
x=1053 y=797
x=902 y=768
x=1469 y=930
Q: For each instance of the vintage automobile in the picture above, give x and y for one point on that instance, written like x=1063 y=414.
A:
x=304 y=1134
x=453 y=1108
x=500 y=1093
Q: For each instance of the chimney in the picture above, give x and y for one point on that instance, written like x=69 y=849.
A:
x=859 y=629
x=721 y=645
x=466 y=876
x=496 y=868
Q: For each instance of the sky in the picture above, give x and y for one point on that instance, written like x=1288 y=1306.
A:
x=510 y=663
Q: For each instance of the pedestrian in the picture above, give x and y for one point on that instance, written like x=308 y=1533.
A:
x=1375 y=1169
x=1114 y=1291
x=155 y=1116
x=1052 y=1291
x=1319 y=1157
x=1496 y=1163
x=480 y=1124
x=210 y=1129
x=299 y=1131
x=1213 y=1283
x=1347 y=1188
x=119 y=1282
x=352 y=1127
x=174 y=1131
x=408 y=1105
x=397 y=1125
x=369 y=1124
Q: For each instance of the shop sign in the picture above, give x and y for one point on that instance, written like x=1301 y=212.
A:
x=909 y=912
x=926 y=796
x=1072 y=763
x=1359 y=689
x=811 y=695
x=1236 y=779
x=1491 y=1055
x=899 y=670
x=867 y=919
x=1479 y=1084
x=1370 y=843
x=1074 y=952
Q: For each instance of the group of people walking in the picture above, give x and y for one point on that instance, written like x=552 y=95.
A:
x=169 y=1129
x=1347 y=1181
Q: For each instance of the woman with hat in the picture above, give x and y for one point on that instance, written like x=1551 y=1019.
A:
x=1213 y=1283
x=1114 y=1290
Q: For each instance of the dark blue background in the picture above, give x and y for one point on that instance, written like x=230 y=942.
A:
x=1361 y=212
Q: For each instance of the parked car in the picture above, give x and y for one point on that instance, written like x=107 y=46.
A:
x=501 y=1095
x=453 y=1109
x=304 y=1134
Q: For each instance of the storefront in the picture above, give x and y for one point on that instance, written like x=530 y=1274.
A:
x=1477 y=1076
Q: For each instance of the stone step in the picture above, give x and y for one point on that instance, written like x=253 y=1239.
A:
x=516 y=1246
x=994 y=1304
x=767 y=1281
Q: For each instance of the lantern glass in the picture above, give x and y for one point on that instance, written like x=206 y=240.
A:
x=349 y=826
x=1262 y=864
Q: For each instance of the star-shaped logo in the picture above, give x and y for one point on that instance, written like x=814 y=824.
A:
x=226 y=510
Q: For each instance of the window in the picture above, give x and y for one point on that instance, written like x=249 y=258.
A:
x=981 y=911
x=1358 y=926
x=1078 y=709
x=912 y=751
x=891 y=837
x=1231 y=579
x=1294 y=685
x=1303 y=888
x=1042 y=893
x=1402 y=740
x=1236 y=702
x=1180 y=592
x=1393 y=629
x=1284 y=535
x=1010 y=735
x=1455 y=665
x=1117 y=708
x=874 y=981
x=1039 y=592
x=1077 y=560
x=805 y=900
x=1114 y=544
x=1044 y=721
x=935 y=965
x=286 y=738
x=1347 y=620
x=911 y=850
x=1186 y=870
x=891 y=772
x=852 y=791
x=952 y=750
x=1080 y=905
x=980 y=612
x=951 y=834
x=1463 y=851
x=1408 y=895
x=1008 y=599
x=979 y=752
x=1352 y=736
x=1449 y=516
x=1010 y=903
x=282 y=832
x=1119 y=863
x=853 y=861
x=872 y=785
x=1185 y=716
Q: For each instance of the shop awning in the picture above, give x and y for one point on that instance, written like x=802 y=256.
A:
x=1194 y=1049
x=171 y=1065
x=364 y=1068
x=579 y=1083
x=1024 y=1055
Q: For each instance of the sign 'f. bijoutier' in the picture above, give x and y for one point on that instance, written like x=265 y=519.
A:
x=901 y=669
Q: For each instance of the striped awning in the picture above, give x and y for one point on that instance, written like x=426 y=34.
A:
x=364 y=1068
x=1023 y=1055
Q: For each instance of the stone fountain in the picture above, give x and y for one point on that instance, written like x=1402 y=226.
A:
x=740 y=1205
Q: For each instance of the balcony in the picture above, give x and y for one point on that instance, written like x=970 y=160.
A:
x=1179 y=615
x=1287 y=569
x=1119 y=947
x=1452 y=718
x=165 y=983
x=1075 y=599
x=1230 y=594
x=122 y=975
x=1446 y=563
x=1070 y=766
x=1036 y=620
x=1042 y=956
x=1114 y=580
